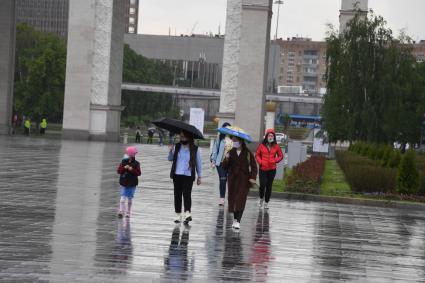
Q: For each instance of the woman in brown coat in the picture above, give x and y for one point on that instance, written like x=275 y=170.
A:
x=240 y=162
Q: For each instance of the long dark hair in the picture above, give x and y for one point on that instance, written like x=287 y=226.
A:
x=265 y=141
x=222 y=136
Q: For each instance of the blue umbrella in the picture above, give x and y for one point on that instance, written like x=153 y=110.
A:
x=236 y=132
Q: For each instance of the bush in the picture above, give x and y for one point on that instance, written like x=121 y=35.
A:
x=365 y=175
x=408 y=179
x=306 y=176
x=394 y=159
x=388 y=150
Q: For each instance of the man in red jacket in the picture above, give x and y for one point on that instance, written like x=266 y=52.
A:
x=268 y=155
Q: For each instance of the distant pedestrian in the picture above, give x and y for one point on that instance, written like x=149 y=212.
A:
x=242 y=168
x=187 y=162
x=161 y=137
x=150 y=136
x=27 y=126
x=43 y=126
x=138 y=135
x=129 y=170
x=217 y=156
x=268 y=155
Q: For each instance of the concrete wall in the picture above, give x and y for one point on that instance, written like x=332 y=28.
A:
x=7 y=63
x=94 y=70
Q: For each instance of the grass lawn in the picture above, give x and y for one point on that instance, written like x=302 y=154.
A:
x=279 y=185
x=333 y=182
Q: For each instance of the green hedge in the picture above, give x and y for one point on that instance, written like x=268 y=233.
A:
x=365 y=175
x=409 y=168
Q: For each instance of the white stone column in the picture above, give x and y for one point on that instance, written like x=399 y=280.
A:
x=245 y=64
x=7 y=63
x=92 y=107
x=270 y=114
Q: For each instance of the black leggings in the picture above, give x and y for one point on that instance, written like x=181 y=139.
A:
x=266 y=183
x=182 y=188
x=237 y=215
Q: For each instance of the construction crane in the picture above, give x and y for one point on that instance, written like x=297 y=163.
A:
x=193 y=28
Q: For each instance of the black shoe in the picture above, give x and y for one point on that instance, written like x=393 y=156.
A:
x=187 y=219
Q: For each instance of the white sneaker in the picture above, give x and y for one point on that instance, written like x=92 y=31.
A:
x=266 y=205
x=260 y=203
x=234 y=222
x=178 y=218
x=187 y=218
x=237 y=225
x=221 y=202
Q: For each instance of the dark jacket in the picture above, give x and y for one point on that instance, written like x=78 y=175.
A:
x=128 y=178
x=241 y=168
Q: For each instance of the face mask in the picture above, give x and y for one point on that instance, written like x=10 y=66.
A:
x=270 y=140
x=236 y=145
x=184 y=142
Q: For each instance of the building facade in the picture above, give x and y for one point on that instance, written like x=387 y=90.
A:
x=44 y=15
x=303 y=64
x=52 y=15
x=131 y=15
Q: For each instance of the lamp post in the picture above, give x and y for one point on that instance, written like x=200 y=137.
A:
x=279 y=2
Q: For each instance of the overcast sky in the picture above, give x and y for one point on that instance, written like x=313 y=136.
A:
x=306 y=18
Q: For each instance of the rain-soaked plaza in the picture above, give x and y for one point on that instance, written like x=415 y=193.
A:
x=58 y=202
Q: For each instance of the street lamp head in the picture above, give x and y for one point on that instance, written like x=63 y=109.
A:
x=279 y=2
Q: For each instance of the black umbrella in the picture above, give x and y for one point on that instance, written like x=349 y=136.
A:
x=176 y=126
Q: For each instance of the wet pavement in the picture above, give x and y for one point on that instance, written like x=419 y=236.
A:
x=58 y=201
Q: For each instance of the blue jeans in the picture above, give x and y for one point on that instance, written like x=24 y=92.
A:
x=222 y=174
x=128 y=192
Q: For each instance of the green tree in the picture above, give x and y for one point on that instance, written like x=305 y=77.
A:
x=408 y=179
x=375 y=88
x=40 y=74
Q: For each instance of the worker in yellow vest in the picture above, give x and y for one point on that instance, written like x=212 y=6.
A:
x=43 y=126
x=27 y=126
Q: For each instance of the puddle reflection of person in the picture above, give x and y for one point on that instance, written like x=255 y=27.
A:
x=233 y=259
x=177 y=263
x=261 y=247
x=124 y=249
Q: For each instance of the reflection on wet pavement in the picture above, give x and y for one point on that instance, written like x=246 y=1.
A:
x=58 y=201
